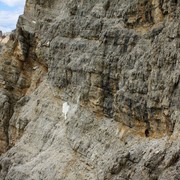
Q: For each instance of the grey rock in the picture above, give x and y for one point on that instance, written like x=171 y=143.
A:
x=91 y=91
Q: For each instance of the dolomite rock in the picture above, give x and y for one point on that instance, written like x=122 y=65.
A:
x=90 y=90
x=3 y=39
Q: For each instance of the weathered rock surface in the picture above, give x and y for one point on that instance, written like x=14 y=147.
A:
x=3 y=40
x=90 y=90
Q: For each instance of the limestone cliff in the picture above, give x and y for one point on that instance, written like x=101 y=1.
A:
x=90 y=90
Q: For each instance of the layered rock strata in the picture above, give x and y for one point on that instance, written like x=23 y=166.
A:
x=90 y=90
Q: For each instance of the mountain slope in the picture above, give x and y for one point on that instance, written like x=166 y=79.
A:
x=90 y=90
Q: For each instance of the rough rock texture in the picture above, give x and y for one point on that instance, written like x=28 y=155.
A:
x=90 y=90
x=3 y=40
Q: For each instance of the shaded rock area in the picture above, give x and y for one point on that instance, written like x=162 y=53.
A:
x=90 y=90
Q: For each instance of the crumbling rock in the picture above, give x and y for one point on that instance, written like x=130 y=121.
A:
x=90 y=90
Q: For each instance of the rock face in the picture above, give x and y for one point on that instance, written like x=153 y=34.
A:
x=90 y=90
x=3 y=40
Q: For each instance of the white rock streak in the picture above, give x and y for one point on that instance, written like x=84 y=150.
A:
x=65 y=109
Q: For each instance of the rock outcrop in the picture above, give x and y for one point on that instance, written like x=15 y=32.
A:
x=90 y=90
x=3 y=40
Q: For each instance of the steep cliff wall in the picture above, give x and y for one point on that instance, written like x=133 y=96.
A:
x=90 y=90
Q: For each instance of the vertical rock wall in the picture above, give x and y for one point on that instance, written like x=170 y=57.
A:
x=116 y=66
